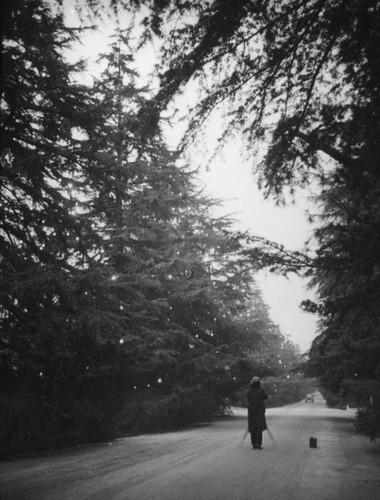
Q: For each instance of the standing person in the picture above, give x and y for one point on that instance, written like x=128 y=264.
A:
x=256 y=412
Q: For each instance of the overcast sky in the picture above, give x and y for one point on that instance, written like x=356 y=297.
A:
x=231 y=178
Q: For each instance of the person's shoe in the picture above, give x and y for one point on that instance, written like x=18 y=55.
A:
x=259 y=447
x=254 y=446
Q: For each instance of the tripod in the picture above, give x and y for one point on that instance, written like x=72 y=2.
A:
x=271 y=438
x=270 y=435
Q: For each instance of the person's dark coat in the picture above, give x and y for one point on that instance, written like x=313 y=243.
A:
x=256 y=409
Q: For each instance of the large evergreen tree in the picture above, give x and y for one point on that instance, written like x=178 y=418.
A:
x=60 y=362
x=301 y=76
x=44 y=236
x=177 y=271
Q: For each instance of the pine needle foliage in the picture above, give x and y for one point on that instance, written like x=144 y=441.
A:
x=123 y=301
x=299 y=79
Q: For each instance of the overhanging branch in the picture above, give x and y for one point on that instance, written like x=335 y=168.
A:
x=317 y=144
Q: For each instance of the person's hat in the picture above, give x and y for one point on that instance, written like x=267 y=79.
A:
x=255 y=379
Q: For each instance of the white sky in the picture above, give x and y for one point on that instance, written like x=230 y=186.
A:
x=230 y=178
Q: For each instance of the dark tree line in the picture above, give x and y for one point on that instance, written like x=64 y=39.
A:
x=302 y=79
x=124 y=305
x=116 y=277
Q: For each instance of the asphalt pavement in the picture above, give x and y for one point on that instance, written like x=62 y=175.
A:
x=213 y=462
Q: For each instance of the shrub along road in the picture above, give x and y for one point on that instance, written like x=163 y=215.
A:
x=212 y=462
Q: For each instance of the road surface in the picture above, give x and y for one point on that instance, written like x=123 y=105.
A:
x=211 y=462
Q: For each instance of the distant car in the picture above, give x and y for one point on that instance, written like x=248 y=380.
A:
x=309 y=398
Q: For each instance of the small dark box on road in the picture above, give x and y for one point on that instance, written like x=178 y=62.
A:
x=313 y=442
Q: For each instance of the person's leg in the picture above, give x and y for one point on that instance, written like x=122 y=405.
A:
x=259 y=439
x=256 y=436
x=253 y=443
x=253 y=434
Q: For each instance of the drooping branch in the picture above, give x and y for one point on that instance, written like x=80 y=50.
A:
x=315 y=143
x=267 y=254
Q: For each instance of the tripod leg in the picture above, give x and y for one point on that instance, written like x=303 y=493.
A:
x=245 y=434
x=271 y=438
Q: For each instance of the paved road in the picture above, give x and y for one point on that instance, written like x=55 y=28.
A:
x=213 y=463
